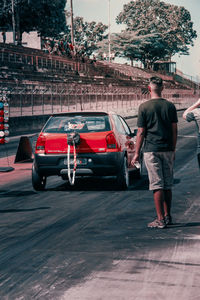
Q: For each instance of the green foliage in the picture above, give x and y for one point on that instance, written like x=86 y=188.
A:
x=5 y=14
x=87 y=35
x=51 y=17
x=154 y=30
x=45 y=16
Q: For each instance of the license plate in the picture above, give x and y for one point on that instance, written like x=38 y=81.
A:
x=79 y=161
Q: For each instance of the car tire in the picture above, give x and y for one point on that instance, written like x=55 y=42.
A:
x=123 y=175
x=137 y=174
x=38 y=181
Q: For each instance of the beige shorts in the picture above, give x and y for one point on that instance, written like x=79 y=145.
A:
x=160 y=169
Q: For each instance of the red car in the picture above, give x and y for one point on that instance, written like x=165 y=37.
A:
x=105 y=147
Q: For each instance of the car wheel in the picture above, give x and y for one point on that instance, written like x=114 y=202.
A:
x=38 y=181
x=64 y=177
x=137 y=174
x=123 y=175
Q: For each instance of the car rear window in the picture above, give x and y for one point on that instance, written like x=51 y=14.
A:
x=66 y=124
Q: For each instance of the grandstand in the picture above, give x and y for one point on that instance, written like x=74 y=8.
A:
x=39 y=83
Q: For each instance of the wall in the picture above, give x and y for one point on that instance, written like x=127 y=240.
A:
x=30 y=40
x=31 y=124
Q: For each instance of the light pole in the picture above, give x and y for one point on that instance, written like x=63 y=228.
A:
x=72 y=23
x=13 y=21
x=109 y=47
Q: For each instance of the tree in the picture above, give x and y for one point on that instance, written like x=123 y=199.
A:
x=122 y=44
x=5 y=14
x=132 y=46
x=87 y=35
x=50 y=17
x=46 y=16
x=163 y=30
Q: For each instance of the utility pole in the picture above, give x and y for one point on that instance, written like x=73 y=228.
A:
x=109 y=38
x=13 y=21
x=72 y=23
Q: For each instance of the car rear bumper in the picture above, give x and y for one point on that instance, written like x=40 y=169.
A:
x=98 y=164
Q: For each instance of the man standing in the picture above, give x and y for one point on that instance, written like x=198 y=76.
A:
x=157 y=127
x=193 y=114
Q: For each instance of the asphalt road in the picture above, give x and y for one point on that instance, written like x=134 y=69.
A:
x=91 y=242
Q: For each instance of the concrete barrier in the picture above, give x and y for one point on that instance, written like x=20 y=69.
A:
x=27 y=124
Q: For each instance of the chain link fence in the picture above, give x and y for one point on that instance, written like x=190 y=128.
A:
x=30 y=100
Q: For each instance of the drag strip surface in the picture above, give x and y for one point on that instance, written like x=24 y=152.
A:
x=90 y=241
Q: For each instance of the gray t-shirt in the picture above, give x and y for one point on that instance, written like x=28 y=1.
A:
x=194 y=115
x=157 y=116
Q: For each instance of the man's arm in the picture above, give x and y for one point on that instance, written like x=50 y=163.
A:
x=139 y=141
x=189 y=109
x=174 y=135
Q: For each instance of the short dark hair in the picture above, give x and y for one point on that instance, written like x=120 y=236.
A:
x=156 y=80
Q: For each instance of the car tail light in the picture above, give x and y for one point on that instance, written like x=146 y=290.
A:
x=111 y=141
x=40 y=145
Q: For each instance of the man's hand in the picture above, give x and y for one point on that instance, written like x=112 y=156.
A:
x=135 y=159
x=139 y=142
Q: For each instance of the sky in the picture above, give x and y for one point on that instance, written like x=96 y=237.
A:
x=97 y=10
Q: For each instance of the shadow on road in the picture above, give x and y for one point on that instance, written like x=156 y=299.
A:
x=177 y=180
x=4 y=211
x=100 y=184
x=190 y=224
x=4 y=193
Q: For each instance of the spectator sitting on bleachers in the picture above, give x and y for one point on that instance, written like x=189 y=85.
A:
x=64 y=48
x=46 y=46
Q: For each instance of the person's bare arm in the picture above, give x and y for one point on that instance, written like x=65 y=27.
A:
x=189 y=109
x=139 y=142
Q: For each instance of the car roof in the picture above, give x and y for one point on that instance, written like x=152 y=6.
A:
x=92 y=113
